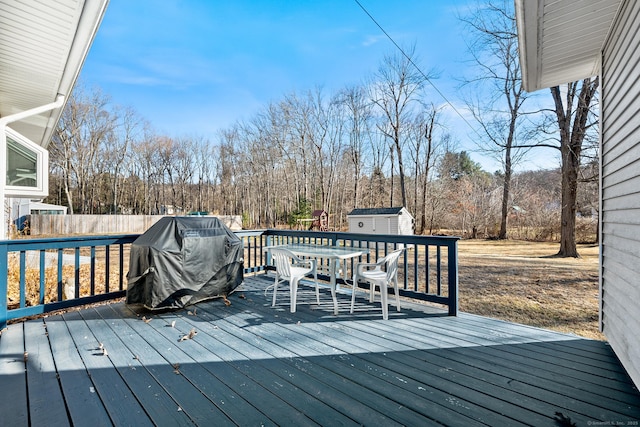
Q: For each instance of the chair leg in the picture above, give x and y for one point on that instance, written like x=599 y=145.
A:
x=353 y=292
x=384 y=293
x=315 y=278
x=294 y=292
x=275 y=290
x=372 y=291
x=395 y=287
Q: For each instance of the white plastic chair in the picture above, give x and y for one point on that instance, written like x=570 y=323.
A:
x=376 y=276
x=291 y=268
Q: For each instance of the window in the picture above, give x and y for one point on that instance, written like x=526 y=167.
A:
x=22 y=165
x=27 y=164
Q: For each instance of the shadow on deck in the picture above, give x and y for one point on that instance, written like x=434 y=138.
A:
x=252 y=364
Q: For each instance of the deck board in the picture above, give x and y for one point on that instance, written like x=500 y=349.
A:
x=119 y=400
x=130 y=347
x=14 y=410
x=251 y=364
x=195 y=366
x=45 y=395
x=309 y=376
x=83 y=403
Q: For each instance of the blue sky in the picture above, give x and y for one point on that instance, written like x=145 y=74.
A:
x=193 y=67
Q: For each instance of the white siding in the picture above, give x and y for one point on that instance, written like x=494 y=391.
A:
x=621 y=188
x=401 y=223
x=391 y=225
x=405 y=226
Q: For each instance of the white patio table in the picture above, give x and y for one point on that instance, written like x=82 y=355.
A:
x=335 y=254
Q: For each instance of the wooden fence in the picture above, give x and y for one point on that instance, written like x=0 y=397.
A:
x=64 y=225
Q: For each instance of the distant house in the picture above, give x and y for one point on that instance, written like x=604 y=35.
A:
x=396 y=220
x=21 y=209
x=563 y=41
x=320 y=220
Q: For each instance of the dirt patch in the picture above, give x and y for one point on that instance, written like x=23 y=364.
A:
x=521 y=282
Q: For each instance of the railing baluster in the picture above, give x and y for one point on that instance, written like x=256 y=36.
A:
x=415 y=267
x=23 y=290
x=92 y=283
x=77 y=273
x=427 y=279
x=107 y=267
x=60 y=259
x=121 y=267
x=439 y=270
x=43 y=276
x=4 y=285
x=452 y=261
x=405 y=267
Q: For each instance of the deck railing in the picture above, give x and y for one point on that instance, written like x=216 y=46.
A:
x=49 y=274
x=428 y=269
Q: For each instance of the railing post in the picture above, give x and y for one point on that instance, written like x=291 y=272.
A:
x=452 y=273
x=4 y=277
x=268 y=243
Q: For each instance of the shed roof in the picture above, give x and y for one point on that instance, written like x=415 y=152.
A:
x=376 y=211
x=42 y=48
x=560 y=40
x=46 y=206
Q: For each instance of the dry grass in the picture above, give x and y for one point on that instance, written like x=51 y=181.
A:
x=521 y=282
x=32 y=281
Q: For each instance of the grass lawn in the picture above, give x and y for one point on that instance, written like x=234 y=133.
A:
x=521 y=282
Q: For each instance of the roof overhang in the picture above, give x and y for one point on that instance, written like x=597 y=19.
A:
x=43 y=45
x=560 y=41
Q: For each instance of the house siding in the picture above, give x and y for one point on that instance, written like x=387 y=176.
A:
x=620 y=247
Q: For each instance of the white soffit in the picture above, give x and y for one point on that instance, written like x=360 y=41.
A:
x=43 y=45
x=560 y=40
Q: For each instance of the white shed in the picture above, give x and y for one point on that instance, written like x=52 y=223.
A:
x=21 y=209
x=381 y=221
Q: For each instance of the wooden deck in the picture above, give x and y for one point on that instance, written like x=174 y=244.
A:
x=251 y=364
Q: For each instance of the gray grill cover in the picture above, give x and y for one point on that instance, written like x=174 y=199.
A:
x=182 y=260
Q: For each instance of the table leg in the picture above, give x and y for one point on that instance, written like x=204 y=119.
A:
x=334 y=268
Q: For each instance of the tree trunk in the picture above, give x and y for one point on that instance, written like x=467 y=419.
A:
x=571 y=139
x=570 y=167
x=506 y=190
x=403 y=190
x=67 y=192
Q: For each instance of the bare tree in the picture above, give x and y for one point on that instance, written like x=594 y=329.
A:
x=203 y=156
x=572 y=115
x=497 y=95
x=85 y=125
x=359 y=118
x=147 y=164
x=425 y=145
x=116 y=150
x=397 y=87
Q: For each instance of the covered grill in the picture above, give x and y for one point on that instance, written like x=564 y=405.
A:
x=182 y=260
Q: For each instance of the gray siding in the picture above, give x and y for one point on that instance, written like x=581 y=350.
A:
x=621 y=188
